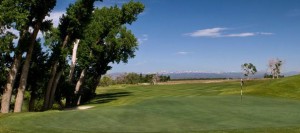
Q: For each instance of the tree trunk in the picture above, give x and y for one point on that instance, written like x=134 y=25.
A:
x=50 y=83
x=55 y=83
x=49 y=86
x=7 y=91
x=80 y=81
x=19 y=101
x=96 y=82
x=32 y=101
x=6 y=97
x=25 y=70
x=65 y=41
x=79 y=99
x=78 y=85
x=73 y=62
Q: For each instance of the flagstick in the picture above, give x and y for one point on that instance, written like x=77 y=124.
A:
x=242 y=83
x=241 y=93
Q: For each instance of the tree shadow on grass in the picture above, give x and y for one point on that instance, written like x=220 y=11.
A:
x=108 y=97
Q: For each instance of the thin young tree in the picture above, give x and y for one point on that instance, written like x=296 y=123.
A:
x=248 y=69
x=275 y=66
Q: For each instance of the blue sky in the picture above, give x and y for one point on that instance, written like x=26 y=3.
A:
x=211 y=35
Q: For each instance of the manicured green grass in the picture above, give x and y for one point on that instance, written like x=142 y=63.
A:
x=267 y=106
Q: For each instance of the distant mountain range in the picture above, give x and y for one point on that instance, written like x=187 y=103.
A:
x=226 y=75
x=203 y=75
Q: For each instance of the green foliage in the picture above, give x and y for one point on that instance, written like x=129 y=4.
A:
x=106 y=81
x=267 y=75
x=107 y=40
x=271 y=76
x=20 y=14
x=14 y=13
x=46 y=26
x=6 y=47
x=131 y=10
x=38 y=105
x=163 y=78
x=132 y=78
x=38 y=73
x=6 y=41
x=148 y=78
x=71 y=27
x=40 y=8
x=53 y=42
x=103 y=34
x=78 y=15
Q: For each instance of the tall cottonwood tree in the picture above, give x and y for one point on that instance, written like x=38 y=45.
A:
x=107 y=40
x=15 y=15
x=38 y=11
x=37 y=76
x=70 y=28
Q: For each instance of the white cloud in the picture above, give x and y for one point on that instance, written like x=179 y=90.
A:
x=54 y=16
x=183 y=53
x=240 y=35
x=248 y=34
x=219 y=32
x=40 y=35
x=265 y=33
x=143 y=39
x=213 y=32
x=15 y=32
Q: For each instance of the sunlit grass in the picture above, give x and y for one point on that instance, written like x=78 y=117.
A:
x=267 y=106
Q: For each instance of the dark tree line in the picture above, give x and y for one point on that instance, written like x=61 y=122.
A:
x=88 y=37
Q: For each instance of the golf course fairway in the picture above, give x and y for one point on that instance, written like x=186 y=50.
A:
x=267 y=106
